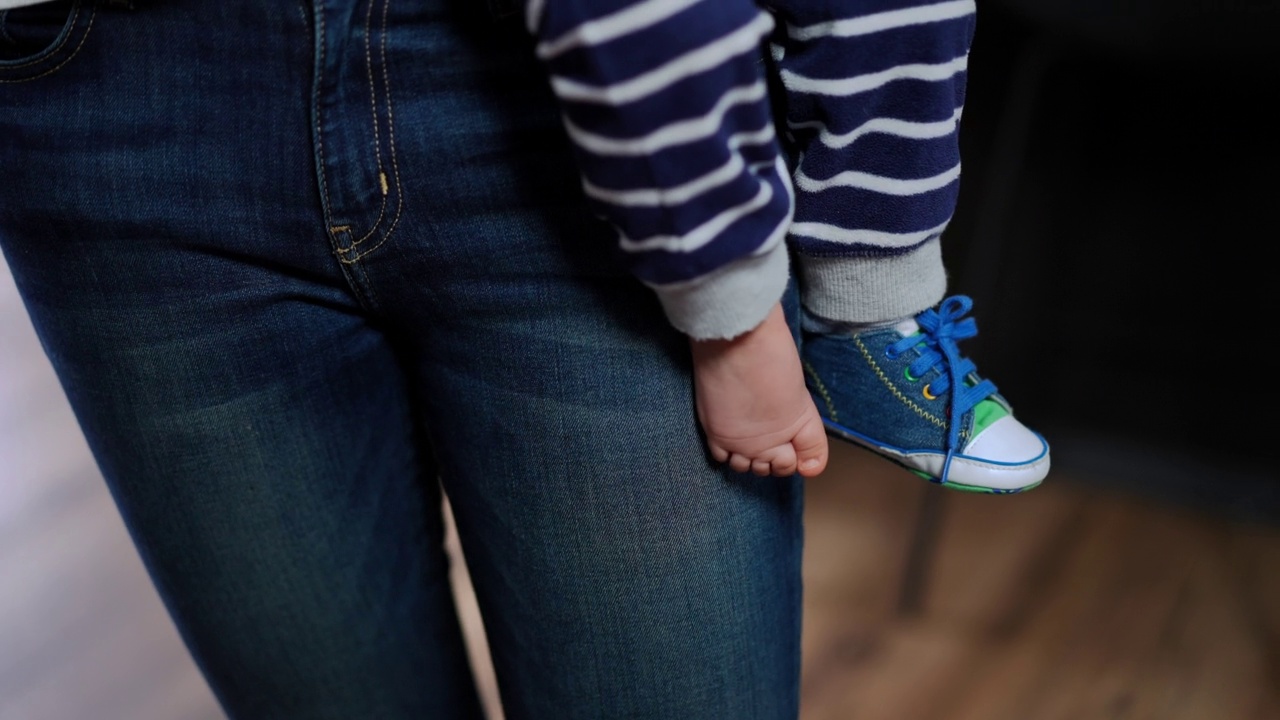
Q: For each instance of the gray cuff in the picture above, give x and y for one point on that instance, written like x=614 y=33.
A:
x=729 y=301
x=873 y=289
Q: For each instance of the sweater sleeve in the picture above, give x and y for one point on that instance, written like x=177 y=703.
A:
x=666 y=104
x=874 y=93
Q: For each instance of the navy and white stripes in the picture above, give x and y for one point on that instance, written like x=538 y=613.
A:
x=874 y=104
x=667 y=105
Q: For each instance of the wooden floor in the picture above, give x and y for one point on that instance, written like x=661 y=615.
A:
x=1065 y=603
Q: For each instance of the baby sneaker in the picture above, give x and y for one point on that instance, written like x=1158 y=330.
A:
x=906 y=393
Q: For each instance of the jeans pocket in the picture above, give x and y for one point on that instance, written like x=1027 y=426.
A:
x=39 y=40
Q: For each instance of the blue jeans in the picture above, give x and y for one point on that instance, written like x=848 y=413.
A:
x=299 y=266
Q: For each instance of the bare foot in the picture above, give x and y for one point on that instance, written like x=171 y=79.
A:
x=753 y=404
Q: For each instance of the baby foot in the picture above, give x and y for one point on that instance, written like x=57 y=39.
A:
x=757 y=414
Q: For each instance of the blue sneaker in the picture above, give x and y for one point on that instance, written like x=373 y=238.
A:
x=906 y=393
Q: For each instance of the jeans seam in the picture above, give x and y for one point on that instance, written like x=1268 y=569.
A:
x=368 y=286
x=49 y=53
x=322 y=41
x=356 y=276
x=377 y=131
x=391 y=137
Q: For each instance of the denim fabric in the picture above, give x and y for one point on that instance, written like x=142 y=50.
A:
x=866 y=391
x=299 y=265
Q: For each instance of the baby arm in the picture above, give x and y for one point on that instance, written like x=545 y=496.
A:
x=667 y=109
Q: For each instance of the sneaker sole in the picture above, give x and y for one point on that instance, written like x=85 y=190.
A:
x=857 y=440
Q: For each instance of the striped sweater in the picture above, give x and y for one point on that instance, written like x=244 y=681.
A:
x=668 y=105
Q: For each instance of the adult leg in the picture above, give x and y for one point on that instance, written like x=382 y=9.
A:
x=621 y=573
x=160 y=213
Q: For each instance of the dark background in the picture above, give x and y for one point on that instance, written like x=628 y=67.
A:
x=1116 y=230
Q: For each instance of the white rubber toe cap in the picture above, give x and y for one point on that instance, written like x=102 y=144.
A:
x=1006 y=455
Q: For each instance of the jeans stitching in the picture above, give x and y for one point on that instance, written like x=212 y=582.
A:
x=319 y=120
x=377 y=134
x=391 y=134
x=49 y=53
x=368 y=286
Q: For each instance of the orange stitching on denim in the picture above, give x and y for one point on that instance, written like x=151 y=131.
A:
x=45 y=56
x=377 y=135
x=889 y=384
x=391 y=130
x=822 y=390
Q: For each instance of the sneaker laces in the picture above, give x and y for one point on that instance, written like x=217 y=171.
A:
x=936 y=343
